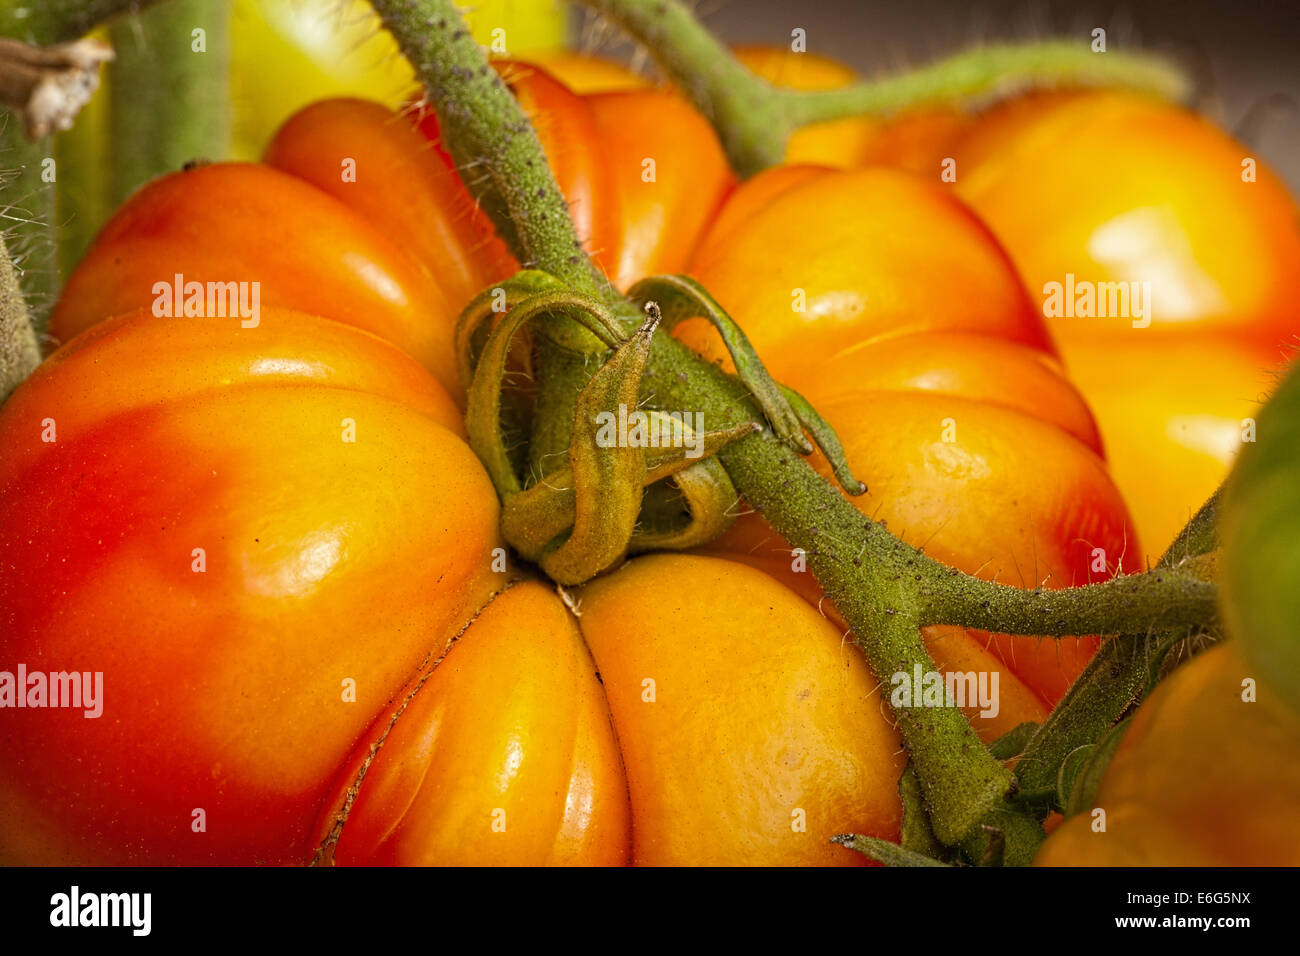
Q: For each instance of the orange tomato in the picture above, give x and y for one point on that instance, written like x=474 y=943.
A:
x=353 y=676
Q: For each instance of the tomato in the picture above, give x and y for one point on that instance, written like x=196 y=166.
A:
x=1110 y=187
x=356 y=677
x=1228 y=799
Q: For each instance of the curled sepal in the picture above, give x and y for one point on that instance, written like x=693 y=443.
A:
x=608 y=467
x=679 y=298
x=495 y=300
x=882 y=851
x=829 y=442
x=704 y=487
x=533 y=519
x=483 y=402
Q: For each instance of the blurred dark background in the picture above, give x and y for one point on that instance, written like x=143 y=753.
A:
x=1244 y=55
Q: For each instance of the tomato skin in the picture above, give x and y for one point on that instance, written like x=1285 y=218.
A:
x=1227 y=800
x=800 y=724
x=433 y=217
x=826 y=237
x=228 y=222
x=442 y=780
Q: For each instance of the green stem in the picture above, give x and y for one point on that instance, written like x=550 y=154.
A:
x=995 y=72
x=1115 y=679
x=169 y=102
x=754 y=120
x=867 y=572
x=1161 y=598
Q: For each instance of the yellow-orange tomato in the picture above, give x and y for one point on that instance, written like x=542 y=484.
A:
x=751 y=733
x=274 y=543
x=1205 y=776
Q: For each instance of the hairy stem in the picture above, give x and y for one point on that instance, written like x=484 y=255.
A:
x=1161 y=598
x=1115 y=679
x=754 y=120
x=976 y=76
x=492 y=142
x=19 y=352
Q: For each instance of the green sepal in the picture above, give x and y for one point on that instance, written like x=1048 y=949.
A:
x=471 y=327
x=710 y=499
x=483 y=401
x=826 y=439
x=607 y=478
x=535 y=518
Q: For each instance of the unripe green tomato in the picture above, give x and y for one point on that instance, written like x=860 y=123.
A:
x=1260 y=531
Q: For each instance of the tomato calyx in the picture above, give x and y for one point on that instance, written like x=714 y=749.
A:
x=637 y=478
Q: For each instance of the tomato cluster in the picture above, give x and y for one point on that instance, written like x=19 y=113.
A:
x=273 y=541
